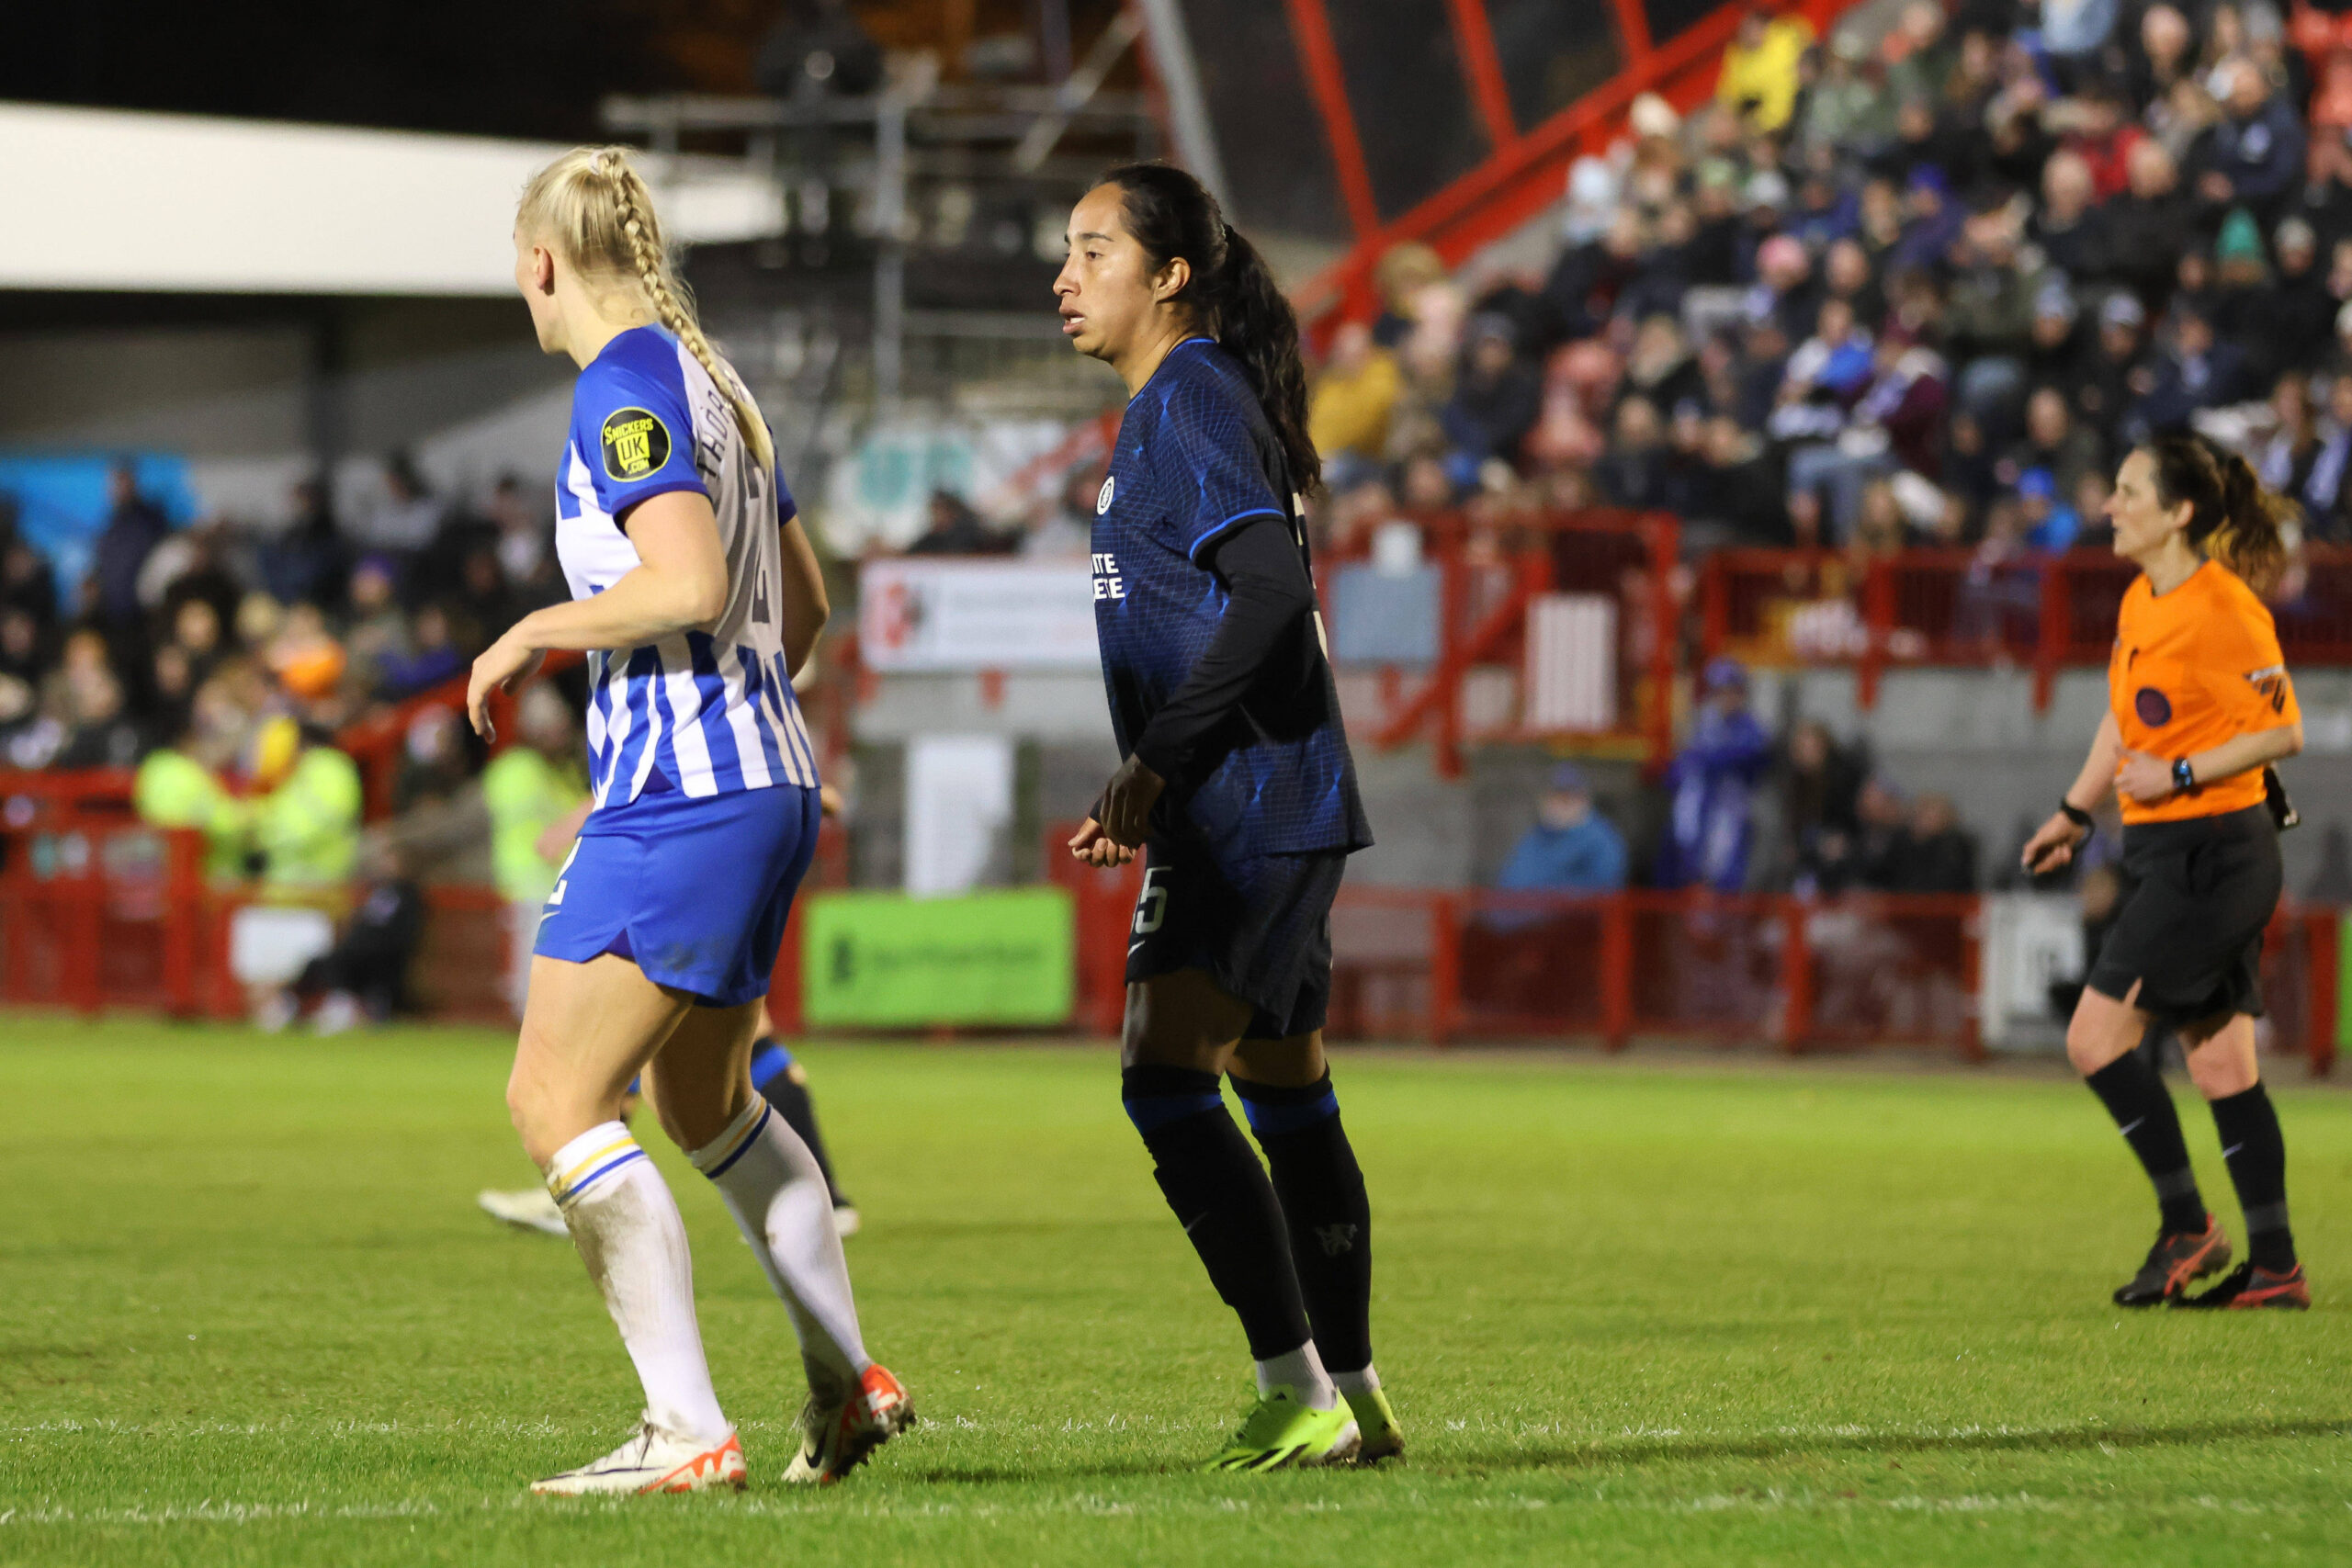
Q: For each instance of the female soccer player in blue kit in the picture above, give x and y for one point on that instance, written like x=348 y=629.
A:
x=1239 y=786
x=696 y=596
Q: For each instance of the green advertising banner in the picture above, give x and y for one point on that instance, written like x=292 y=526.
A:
x=886 y=961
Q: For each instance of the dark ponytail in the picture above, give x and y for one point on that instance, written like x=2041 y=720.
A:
x=1233 y=296
x=2235 y=520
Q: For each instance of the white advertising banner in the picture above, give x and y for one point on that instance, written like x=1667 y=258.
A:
x=918 y=614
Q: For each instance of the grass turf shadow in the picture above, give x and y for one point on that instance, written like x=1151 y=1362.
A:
x=1651 y=1450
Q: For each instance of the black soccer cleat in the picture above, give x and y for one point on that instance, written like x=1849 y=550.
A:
x=2177 y=1257
x=2249 y=1289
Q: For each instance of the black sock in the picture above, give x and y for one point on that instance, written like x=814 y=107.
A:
x=2255 y=1151
x=1321 y=1189
x=772 y=1074
x=2134 y=1092
x=1222 y=1200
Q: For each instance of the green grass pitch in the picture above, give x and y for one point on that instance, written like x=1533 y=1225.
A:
x=1664 y=1314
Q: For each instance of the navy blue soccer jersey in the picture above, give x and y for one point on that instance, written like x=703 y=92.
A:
x=1194 y=460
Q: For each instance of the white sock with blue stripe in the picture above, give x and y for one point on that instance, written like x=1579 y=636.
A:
x=626 y=1227
x=776 y=1191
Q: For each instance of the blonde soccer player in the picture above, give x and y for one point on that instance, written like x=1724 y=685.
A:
x=695 y=595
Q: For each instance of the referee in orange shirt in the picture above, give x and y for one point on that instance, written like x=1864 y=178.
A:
x=2199 y=705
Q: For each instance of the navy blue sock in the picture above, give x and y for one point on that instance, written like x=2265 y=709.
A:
x=1321 y=1190
x=2255 y=1151
x=1221 y=1197
x=773 y=1076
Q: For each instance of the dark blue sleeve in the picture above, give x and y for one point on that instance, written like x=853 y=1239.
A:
x=637 y=434
x=1206 y=461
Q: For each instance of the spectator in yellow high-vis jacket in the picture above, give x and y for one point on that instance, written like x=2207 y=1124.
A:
x=306 y=821
x=1759 y=73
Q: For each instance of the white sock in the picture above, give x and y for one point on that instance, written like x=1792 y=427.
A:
x=1354 y=1383
x=626 y=1225
x=1302 y=1370
x=772 y=1186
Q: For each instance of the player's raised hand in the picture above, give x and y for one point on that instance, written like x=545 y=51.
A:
x=1128 y=801
x=503 y=665
x=1093 y=848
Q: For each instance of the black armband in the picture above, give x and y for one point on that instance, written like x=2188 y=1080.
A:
x=2073 y=813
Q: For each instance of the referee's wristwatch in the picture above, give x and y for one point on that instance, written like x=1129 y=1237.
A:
x=2184 y=777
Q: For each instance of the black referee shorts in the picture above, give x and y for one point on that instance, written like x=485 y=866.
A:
x=1260 y=925
x=2197 y=894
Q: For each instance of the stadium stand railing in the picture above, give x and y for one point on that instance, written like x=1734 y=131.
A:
x=2038 y=612
x=1495 y=634
x=98 y=915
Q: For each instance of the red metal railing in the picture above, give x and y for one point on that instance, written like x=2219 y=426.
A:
x=1491 y=575
x=1527 y=167
x=2043 y=612
x=94 y=916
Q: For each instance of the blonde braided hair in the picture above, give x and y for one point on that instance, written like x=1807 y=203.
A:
x=592 y=206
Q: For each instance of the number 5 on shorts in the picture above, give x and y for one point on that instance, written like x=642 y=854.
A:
x=1152 y=907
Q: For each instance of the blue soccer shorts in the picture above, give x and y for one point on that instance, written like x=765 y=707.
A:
x=694 y=891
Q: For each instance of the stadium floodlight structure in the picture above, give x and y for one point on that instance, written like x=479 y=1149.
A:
x=902 y=160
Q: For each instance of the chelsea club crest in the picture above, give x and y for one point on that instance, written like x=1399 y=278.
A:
x=1103 y=500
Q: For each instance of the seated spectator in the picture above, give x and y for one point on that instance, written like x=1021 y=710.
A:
x=100 y=732
x=1848 y=107
x=2049 y=519
x=2325 y=496
x=304 y=655
x=1989 y=321
x=2099 y=130
x=1634 y=472
x=1931 y=854
x=1348 y=409
x=2069 y=228
x=364 y=978
x=2052 y=443
x=1711 y=786
x=2114 y=373
x=2149 y=225
x=2257 y=150
x=2058 y=347
x=1571 y=848
x=1846 y=272
x=1400 y=274
x=1496 y=398
x=2198 y=371
x=2324 y=200
x=956 y=530
x=431 y=658
x=2288 y=323
x=1738 y=498
x=377 y=632
x=526 y=544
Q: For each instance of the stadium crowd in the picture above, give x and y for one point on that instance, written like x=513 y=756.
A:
x=1920 y=282
x=1921 y=285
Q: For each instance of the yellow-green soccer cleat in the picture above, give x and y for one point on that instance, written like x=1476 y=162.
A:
x=1382 y=1438
x=1279 y=1432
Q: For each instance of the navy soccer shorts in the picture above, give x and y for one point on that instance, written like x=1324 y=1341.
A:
x=1260 y=925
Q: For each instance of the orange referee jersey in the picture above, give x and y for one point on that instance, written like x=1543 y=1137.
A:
x=2191 y=669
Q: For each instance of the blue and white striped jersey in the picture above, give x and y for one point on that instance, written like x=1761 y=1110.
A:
x=713 y=710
